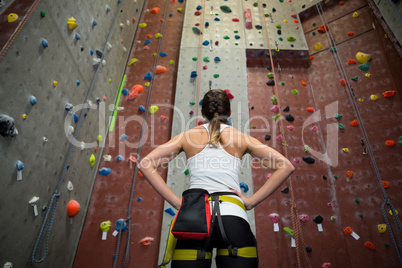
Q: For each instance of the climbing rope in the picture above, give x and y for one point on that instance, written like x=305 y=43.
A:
x=298 y=234
x=126 y=256
x=369 y=148
x=48 y=220
x=199 y=62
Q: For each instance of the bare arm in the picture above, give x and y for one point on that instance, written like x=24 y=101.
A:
x=269 y=158
x=159 y=156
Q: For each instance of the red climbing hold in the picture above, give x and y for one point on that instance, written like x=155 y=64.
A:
x=155 y=10
x=311 y=57
x=354 y=123
x=322 y=28
x=349 y=174
x=73 y=208
x=229 y=94
x=204 y=67
x=385 y=184
x=235 y=20
x=310 y=109
x=350 y=33
x=160 y=69
x=389 y=143
x=163 y=118
x=369 y=245
x=197 y=13
x=133 y=20
x=343 y=82
x=197 y=24
x=161 y=20
x=389 y=93
x=341 y=3
x=295 y=21
x=351 y=61
x=201 y=122
x=135 y=90
x=149 y=36
x=303 y=83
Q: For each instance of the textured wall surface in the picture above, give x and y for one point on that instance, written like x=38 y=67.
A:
x=29 y=69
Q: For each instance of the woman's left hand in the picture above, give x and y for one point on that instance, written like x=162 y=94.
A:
x=246 y=200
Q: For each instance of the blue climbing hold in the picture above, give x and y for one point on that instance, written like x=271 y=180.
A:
x=45 y=43
x=205 y=43
x=139 y=199
x=170 y=212
x=94 y=22
x=200 y=103
x=77 y=36
x=170 y=14
x=148 y=76
x=78 y=82
x=75 y=118
x=20 y=165
x=180 y=1
x=141 y=108
x=136 y=10
x=217 y=59
x=244 y=186
x=125 y=91
x=91 y=52
x=121 y=225
x=119 y=158
x=118 y=1
x=105 y=171
x=199 y=7
x=163 y=54
x=32 y=100
x=124 y=136
x=107 y=9
x=193 y=74
x=206 y=24
x=237 y=36
x=147 y=42
x=217 y=19
x=229 y=121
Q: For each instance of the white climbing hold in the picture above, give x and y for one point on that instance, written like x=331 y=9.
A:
x=70 y=186
x=33 y=202
x=109 y=46
x=107 y=158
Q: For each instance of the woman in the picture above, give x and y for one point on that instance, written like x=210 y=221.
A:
x=214 y=152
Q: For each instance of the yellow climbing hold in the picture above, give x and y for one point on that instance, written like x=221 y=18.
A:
x=24 y=116
x=153 y=109
x=92 y=160
x=171 y=62
x=318 y=47
x=361 y=100
x=363 y=57
x=367 y=75
x=147 y=84
x=154 y=54
x=355 y=15
x=55 y=83
x=12 y=17
x=385 y=36
x=180 y=10
x=142 y=25
x=382 y=228
x=346 y=150
x=110 y=80
x=99 y=138
x=132 y=61
x=373 y=97
x=158 y=35
x=285 y=21
x=390 y=212
x=326 y=1
x=72 y=23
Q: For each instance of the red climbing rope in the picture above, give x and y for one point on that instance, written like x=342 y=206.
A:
x=18 y=29
x=293 y=208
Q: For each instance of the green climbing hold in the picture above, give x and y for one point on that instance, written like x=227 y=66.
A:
x=270 y=75
x=154 y=54
x=99 y=138
x=274 y=100
x=226 y=37
x=335 y=176
x=291 y=39
x=195 y=58
x=254 y=127
x=206 y=59
x=226 y=9
x=354 y=78
x=337 y=116
x=186 y=172
x=314 y=24
x=280 y=39
x=255 y=4
x=341 y=127
x=92 y=160
x=306 y=148
x=171 y=62
x=42 y=14
x=357 y=201
x=333 y=49
x=278 y=26
x=387 y=244
x=192 y=102
x=266 y=15
x=360 y=214
x=365 y=66
x=313 y=33
x=216 y=75
x=295 y=92
x=400 y=137
x=196 y=30
x=281 y=1
x=289 y=231
x=235 y=31
x=282 y=83
x=236 y=44
x=276 y=117
x=332 y=218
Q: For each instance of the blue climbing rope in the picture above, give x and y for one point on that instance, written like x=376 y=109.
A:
x=47 y=224
x=398 y=246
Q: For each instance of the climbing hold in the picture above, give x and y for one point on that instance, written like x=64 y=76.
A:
x=333 y=49
x=244 y=186
x=310 y=109
x=271 y=82
x=142 y=25
x=226 y=9
x=324 y=177
x=389 y=143
x=373 y=97
x=216 y=75
x=290 y=128
x=155 y=10
x=77 y=36
x=306 y=148
x=382 y=228
x=274 y=109
x=276 y=117
x=355 y=15
x=365 y=66
x=363 y=57
x=323 y=28
x=308 y=159
x=343 y=82
x=206 y=24
x=350 y=33
x=295 y=92
x=92 y=160
x=318 y=46
x=163 y=54
x=206 y=59
x=99 y=138
x=132 y=61
x=237 y=37
x=346 y=150
x=78 y=82
x=125 y=91
x=147 y=41
x=314 y=129
x=289 y=117
x=20 y=167
x=205 y=43
x=296 y=160
x=45 y=43
x=349 y=174
x=235 y=20
x=285 y=190
x=279 y=138
x=289 y=231
x=193 y=74
x=135 y=90
x=387 y=244
x=171 y=62
x=304 y=83
x=274 y=217
x=160 y=69
x=170 y=212
x=197 y=13
x=75 y=118
x=385 y=184
x=148 y=76
x=291 y=39
x=107 y=9
x=351 y=62
x=196 y=30
x=194 y=58
x=267 y=137
x=158 y=35
x=141 y=108
x=337 y=116
x=24 y=116
x=274 y=99
x=369 y=245
x=270 y=75
x=354 y=78
x=354 y=123
x=153 y=109
x=186 y=172
x=163 y=118
x=73 y=208
x=304 y=217
x=285 y=21
x=72 y=23
x=309 y=249
x=104 y=171
x=389 y=93
x=332 y=218
x=226 y=37
x=217 y=59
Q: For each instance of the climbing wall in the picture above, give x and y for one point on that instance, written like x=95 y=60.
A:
x=48 y=60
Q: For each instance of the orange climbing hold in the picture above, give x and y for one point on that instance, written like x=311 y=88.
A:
x=350 y=33
x=73 y=208
x=351 y=61
x=310 y=109
x=149 y=36
x=163 y=118
x=343 y=82
x=160 y=69
x=135 y=90
x=146 y=47
x=295 y=21
x=323 y=28
x=349 y=174
x=348 y=231
x=140 y=174
x=341 y=3
x=389 y=143
x=354 y=123
x=385 y=184
x=389 y=93
x=132 y=159
x=155 y=10
x=161 y=20
x=303 y=83
x=311 y=57
x=146 y=241
x=369 y=245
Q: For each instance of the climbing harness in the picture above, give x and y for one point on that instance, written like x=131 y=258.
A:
x=366 y=144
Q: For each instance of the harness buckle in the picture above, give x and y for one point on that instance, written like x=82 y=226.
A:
x=235 y=251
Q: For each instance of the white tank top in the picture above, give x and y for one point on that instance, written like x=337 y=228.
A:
x=215 y=170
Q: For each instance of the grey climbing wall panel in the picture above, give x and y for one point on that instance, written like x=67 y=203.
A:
x=29 y=69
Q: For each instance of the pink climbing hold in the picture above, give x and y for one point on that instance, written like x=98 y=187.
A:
x=326 y=265
x=235 y=20
x=216 y=43
x=279 y=138
x=329 y=204
x=274 y=217
x=297 y=27
x=133 y=20
x=204 y=67
x=291 y=76
x=247 y=18
x=290 y=128
x=303 y=217
x=296 y=160
x=201 y=122
x=314 y=129
x=269 y=175
x=274 y=109
x=229 y=94
x=294 y=15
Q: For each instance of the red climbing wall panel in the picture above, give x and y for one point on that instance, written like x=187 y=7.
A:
x=382 y=121
x=111 y=194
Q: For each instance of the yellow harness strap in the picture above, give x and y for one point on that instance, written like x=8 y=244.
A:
x=170 y=247
x=246 y=252
x=188 y=255
x=230 y=199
